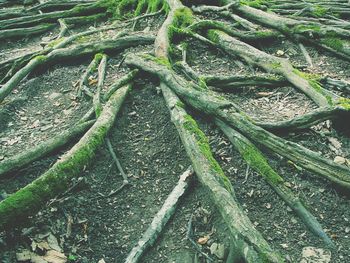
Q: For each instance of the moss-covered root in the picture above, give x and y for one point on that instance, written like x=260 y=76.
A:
x=179 y=16
x=101 y=78
x=24 y=32
x=28 y=200
x=248 y=242
x=91 y=69
x=42 y=149
x=257 y=161
x=127 y=8
x=83 y=49
x=14 y=81
x=273 y=64
x=211 y=104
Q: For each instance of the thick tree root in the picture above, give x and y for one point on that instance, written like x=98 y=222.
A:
x=28 y=200
x=101 y=78
x=304 y=121
x=25 y=21
x=24 y=32
x=329 y=37
x=275 y=65
x=249 y=243
x=41 y=150
x=16 y=63
x=257 y=161
x=161 y=218
x=230 y=83
x=212 y=105
x=73 y=52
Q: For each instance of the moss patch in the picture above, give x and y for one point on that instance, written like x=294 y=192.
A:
x=313 y=80
x=191 y=125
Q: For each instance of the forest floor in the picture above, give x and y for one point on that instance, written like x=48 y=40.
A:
x=153 y=157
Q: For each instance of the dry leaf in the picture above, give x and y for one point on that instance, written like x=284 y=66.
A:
x=203 y=240
x=54 y=256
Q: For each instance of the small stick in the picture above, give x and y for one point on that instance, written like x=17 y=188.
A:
x=115 y=159
x=84 y=78
x=63 y=28
x=162 y=217
x=306 y=54
x=101 y=78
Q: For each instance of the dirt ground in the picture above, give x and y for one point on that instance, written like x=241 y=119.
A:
x=90 y=227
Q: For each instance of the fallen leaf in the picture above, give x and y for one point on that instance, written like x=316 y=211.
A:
x=53 y=242
x=203 y=240
x=53 y=256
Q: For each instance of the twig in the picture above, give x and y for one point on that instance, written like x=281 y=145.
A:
x=101 y=78
x=161 y=218
x=115 y=159
x=306 y=54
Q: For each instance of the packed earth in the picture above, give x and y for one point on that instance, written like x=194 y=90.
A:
x=174 y=131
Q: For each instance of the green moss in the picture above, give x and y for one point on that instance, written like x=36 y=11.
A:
x=344 y=102
x=203 y=144
x=313 y=80
x=180 y=104
x=319 y=11
x=98 y=56
x=300 y=29
x=183 y=17
x=161 y=61
x=275 y=65
x=55 y=42
x=202 y=83
x=255 y=3
x=334 y=43
x=141 y=7
x=213 y=35
x=41 y=58
x=257 y=161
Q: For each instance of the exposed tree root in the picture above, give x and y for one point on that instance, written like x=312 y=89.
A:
x=161 y=218
x=246 y=134
x=249 y=243
x=227 y=111
x=16 y=63
x=41 y=150
x=75 y=51
x=24 y=32
x=257 y=161
x=32 y=197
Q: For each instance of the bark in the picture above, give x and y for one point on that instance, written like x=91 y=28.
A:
x=28 y=200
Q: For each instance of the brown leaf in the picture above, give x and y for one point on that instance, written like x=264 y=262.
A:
x=203 y=240
x=54 y=256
